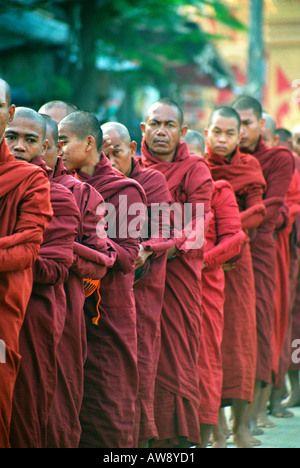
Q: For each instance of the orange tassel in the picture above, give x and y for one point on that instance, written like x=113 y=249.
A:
x=95 y=320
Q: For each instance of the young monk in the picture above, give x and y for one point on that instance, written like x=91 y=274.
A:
x=93 y=257
x=195 y=141
x=45 y=314
x=278 y=167
x=149 y=291
x=239 y=336
x=177 y=395
x=25 y=212
x=111 y=374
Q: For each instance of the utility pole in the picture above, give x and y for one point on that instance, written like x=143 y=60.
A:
x=256 y=65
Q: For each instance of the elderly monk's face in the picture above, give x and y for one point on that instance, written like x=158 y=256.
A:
x=122 y=153
x=25 y=139
x=223 y=135
x=251 y=130
x=163 y=131
x=74 y=153
x=6 y=111
x=296 y=143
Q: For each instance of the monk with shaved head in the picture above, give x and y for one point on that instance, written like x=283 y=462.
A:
x=25 y=213
x=46 y=310
x=151 y=265
x=111 y=374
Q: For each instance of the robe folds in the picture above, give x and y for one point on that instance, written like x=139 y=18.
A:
x=44 y=322
x=239 y=346
x=25 y=212
x=111 y=373
x=224 y=241
x=278 y=168
x=177 y=394
x=283 y=256
x=149 y=293
x=92 y=257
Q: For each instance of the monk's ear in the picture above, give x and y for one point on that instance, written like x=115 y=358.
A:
x=262 y=125
x=44 y=148
x=143 y=127
x=90 y=143
x=11 y=112
x=183 y=132
x=59 y=148
x=133 y=147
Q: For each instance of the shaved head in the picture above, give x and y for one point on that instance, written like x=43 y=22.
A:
x=195 y=142
x=58 y=109
x=168 y=102
x=7 y=91
x=82 y=124
x=119 y=128
x=30 y=114
x=52 y=125
x=246 y=103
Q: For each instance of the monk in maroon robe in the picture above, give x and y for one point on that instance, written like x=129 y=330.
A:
x=93 y=256
x=243 y=172
x=177 y=394
x=45 y=313
x=278 y=167
x=25 y=212
x=111 y=375
x=151 y=264
x=224 y=241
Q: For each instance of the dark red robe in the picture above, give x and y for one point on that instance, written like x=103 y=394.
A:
x=278 y=167
x=149 y=293
x=25 y=212
x=281 y=303
x=239 y=346
x=111 y=374
x=44 y=322
x=93 y=256
x=224 y=241
x=177 y=393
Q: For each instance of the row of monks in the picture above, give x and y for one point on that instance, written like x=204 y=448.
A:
x=124 y=341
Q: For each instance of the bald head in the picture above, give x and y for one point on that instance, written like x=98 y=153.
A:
x=269 y=131
x=30 y=114
x=121 y=130
x=195 y=142
x=57 y=110
x=84 y=124
x=4 y=85
x=124 y=148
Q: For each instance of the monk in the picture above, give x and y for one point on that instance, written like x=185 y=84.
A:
x=269 y=134
x=25 y=213
x=57 y=110
x=93 y=256
x=177 y=395
x=243 y=172
x=45 y=313
x=278 y=167
x=149 y=290
x=224 y=241
x=284 y=138
x=111 y=374
x=195 y=141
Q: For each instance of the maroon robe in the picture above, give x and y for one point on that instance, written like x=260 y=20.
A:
x=25 y=212
x=149 y=293
x=278 y=167
x=177 y=393
x=111 y=374
x=239 y=346
x=44 y=322
x=224 y=241
x=93 y=256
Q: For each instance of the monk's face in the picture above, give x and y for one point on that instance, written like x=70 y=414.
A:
x=296 y=143
x=251 y=130
x=74 y=152
x=269 y=137
x=6 y=111
x=223 y=135
x=122 y=153
x=25 y=139
x=163 y=131
x=52 y=150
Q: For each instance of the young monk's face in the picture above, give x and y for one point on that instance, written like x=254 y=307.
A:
x=6 y=111
x=123 y=152
x=52 y=150
x=163 y=131
x=251 y=130
x=25 y=139
x=74 y=153
x=223 y=135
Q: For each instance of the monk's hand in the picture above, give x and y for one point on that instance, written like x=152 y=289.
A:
x=172 y=251
x=107 y=147
x=142 y=257
x=228 y=267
